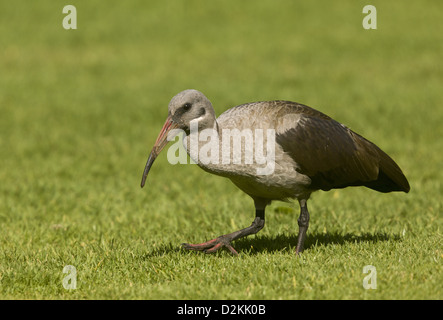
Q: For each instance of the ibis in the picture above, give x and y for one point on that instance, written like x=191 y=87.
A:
x=274 y=150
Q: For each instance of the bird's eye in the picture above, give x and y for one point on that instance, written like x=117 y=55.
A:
x=187 y=106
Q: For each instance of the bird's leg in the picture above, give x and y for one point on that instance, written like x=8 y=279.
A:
x=303 y=224
x=225 y=240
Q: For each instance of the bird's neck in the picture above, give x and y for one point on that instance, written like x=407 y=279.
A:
x=198 y=141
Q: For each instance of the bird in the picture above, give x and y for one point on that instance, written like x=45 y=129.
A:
x=307 y=151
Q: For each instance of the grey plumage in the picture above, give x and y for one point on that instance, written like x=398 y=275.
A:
x=312 y=152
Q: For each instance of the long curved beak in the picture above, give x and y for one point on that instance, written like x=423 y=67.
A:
x=160 y=143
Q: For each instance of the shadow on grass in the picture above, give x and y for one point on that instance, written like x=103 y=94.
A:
x=284 y=242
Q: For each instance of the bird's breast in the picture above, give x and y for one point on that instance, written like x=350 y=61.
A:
x=251 y=159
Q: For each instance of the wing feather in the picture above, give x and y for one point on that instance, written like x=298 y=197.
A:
x=334 y=156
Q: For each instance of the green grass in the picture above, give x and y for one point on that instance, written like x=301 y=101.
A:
x=80 y=110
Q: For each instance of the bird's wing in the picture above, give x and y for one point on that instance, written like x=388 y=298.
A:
x=332 y=155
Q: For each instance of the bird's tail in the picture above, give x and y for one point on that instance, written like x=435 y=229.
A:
x=390 y=176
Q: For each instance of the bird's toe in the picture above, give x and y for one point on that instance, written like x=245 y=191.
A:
x=211 y=246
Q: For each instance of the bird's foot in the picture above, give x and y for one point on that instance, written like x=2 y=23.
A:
x=212 y=245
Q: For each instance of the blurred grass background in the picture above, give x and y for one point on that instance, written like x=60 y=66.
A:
x=80 y=110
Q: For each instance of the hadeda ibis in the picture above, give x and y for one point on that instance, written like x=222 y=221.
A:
x=285 y=150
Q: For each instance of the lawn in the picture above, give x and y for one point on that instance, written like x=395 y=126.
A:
x=80 y=110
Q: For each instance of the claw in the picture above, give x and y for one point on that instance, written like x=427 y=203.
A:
x=211 y=246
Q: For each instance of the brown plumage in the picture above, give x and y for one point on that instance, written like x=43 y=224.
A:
x=334 y=156
x=312 y=152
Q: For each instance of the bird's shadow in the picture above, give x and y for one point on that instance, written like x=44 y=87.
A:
x=285 y=242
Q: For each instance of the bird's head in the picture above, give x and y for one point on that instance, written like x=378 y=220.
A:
x=187 y=106
x=191 y=105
